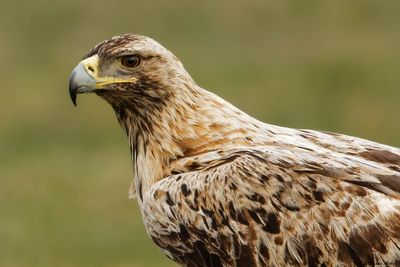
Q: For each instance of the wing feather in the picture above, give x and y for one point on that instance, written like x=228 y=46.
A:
x=271 y=206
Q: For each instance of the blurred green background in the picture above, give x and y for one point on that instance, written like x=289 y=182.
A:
x=65 y=171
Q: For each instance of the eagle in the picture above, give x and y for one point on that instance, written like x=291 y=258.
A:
x=217 y=187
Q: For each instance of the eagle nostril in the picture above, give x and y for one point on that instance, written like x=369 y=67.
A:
x=91 y=68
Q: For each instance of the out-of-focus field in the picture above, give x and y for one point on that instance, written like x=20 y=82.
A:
x=65 y=171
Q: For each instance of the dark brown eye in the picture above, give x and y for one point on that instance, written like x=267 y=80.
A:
x=130 y=61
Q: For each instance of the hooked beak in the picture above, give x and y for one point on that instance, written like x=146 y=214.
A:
x=85 y=78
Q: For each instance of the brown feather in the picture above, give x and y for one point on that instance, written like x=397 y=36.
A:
x=220 y=188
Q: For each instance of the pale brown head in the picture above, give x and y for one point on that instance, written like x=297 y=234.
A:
x=133 y=73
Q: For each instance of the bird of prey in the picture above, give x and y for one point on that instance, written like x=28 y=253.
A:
x=217 y=187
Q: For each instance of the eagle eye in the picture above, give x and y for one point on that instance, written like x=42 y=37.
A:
x=130 y=61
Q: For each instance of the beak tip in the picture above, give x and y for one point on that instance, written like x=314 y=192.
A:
x=73 y=93
x=73 y=97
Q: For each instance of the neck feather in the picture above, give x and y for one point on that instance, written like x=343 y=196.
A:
x=195 y=123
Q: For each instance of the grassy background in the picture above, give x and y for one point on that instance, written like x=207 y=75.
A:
x=65 y=171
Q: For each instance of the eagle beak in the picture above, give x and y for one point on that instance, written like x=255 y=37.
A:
x=83 y=78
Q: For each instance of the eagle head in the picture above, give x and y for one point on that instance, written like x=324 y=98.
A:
x=132 y=72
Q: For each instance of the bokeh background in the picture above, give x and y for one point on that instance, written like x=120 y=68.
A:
x=65 y=171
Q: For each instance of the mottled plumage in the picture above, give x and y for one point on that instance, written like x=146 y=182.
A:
x=217 y=187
